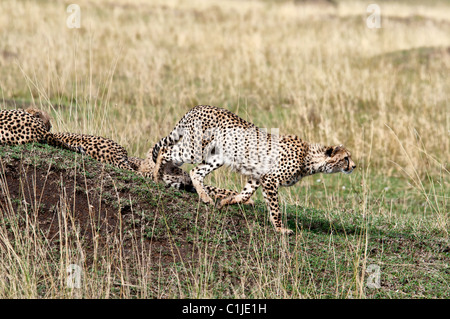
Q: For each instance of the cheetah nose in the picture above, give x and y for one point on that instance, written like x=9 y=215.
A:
x=353 y=166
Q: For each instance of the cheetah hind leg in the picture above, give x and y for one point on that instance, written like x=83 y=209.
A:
x=243 y=197
x=220 y=193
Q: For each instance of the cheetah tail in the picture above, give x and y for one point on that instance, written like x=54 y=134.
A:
x=169 y=140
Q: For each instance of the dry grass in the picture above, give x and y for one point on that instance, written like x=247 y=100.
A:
x=135 y=67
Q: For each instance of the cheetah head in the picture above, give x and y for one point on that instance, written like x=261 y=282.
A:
x=338 y=159
x=42 y=115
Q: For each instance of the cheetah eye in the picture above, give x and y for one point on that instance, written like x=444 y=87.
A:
x=346 y=159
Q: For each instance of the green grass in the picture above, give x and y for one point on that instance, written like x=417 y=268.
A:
x=130 y=73
x=194 y=251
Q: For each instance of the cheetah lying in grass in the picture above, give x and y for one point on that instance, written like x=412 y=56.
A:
x=33 y=125
x=24 y=126
x=214 y=137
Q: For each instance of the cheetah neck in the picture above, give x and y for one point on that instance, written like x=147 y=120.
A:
x=315 y=159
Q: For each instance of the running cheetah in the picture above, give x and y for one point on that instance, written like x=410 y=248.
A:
x=214 y=137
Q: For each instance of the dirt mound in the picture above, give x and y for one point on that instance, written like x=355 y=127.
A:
x=66 y=193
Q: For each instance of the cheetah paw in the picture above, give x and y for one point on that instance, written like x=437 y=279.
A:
x=220 y=203
x=206 y=199
x=286 y=231
x=231 y=200
x=250 y=202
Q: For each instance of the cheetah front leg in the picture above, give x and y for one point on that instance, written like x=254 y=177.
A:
x=243 y=197
x=123 y=163
x=58 y=141
x=270 y=193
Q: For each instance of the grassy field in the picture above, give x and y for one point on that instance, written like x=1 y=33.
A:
x=311 y=69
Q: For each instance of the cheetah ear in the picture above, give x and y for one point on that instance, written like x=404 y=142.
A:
x=43 y=116
x=332 y=150
x=338 y=148
x=38 y=114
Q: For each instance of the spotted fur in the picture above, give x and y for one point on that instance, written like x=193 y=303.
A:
x=34 y=125
x=213 y=137
x=100 y=148
x=23 y=126
x=173 y=175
